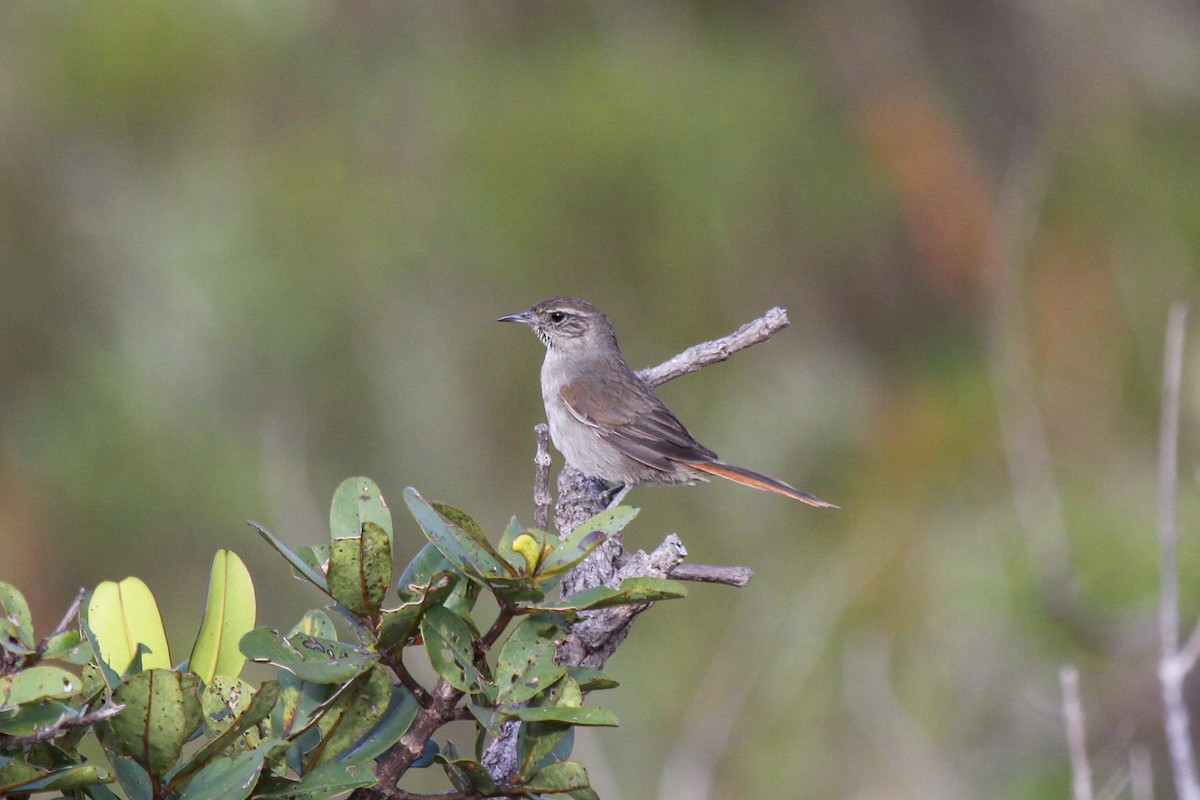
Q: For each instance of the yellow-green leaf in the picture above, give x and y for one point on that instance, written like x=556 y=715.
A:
x=122 y=616
x=228 y=615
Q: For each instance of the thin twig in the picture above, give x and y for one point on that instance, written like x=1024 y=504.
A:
x=712 y=352
x=72 y=612
x=709 y=573
x=396 y=663
x=1081 y=771
x=541 y=478
x=1173 y=666
x=63 y=724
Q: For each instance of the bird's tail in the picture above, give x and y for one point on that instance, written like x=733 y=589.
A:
x=757 y=480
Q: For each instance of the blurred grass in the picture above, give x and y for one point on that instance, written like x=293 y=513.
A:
x=250 y=249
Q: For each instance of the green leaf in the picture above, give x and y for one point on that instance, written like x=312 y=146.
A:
x=539 y=739
x=315 y=555
x=353 y=714
x=310 y=658
x=14 y=609
x=591 y=680
x=401 y=711
x=399 y=624
x=18 y=778
x=360 y=569
x=228 y=615
x=563 y=776
x=299 y=564
x=69 y=646
x=357 y=501
x=450 y=643
x=298 y=702
x=123 y=616
x=466 y=773
x=36 y=683
x=463 y=597
x=133 y=779
x=520 y=589
x=526 y=665
x=161 y=711
x=504 y=547
x=229 y=778
x=632 y=591
x=327 y=780
x=601 y=717
x=462 y=520
x=315 y=622
x=231 y=707
x=26 y=719
x=609 y=522
x=586 y=537
x=97 y=673
x=470 y=527
x=10 y=639
x=488 y=718
x=474 y=559
x=421 y=571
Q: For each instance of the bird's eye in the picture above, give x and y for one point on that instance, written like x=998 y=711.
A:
x=557 y=316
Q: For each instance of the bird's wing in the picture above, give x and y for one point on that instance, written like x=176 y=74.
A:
x=632 y=418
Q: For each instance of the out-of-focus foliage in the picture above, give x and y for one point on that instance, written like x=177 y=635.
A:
x=248 y=248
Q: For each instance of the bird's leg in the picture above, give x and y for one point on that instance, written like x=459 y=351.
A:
x=615 y=494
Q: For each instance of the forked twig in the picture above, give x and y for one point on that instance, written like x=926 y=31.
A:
x=711 y=352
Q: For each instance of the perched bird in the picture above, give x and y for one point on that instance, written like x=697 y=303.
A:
x=606 y=421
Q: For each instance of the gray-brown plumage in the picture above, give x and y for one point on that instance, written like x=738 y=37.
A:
x=605 y=420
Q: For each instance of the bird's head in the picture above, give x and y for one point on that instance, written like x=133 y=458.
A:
x=566 y=323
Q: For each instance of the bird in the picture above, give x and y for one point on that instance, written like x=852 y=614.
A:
x=607 y=421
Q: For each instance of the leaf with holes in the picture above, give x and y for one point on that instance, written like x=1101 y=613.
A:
x=360 y=569
x=526 y=665
x=586 y=537
x=37 y=683
x=399 y=624
x=353 y=714
x=15 y=612
x=474 y=559
x=450 y=643
x=401 y=711
x=310 y=658
x=357 y=501
x=632 y=591
x=162 y=709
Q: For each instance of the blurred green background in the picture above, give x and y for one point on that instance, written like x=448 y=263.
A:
x=248 y=249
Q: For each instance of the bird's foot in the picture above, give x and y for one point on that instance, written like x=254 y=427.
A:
x=615 y=494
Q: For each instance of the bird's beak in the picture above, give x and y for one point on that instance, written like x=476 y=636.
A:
x=519 y=316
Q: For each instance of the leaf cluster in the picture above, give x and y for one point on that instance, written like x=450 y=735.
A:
x=343 y=712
